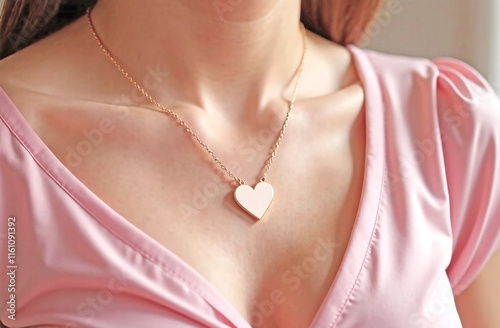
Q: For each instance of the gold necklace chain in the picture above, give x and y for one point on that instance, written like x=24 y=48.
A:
x=185 y=126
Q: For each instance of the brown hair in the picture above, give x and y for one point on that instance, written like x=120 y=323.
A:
x=23 y=22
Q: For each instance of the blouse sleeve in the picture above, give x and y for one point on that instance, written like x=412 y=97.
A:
x=469 y=122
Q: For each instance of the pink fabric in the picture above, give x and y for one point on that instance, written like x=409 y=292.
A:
x=428 y=221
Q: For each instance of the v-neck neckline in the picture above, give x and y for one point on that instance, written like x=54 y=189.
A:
x=358 y=248
x=360 y=245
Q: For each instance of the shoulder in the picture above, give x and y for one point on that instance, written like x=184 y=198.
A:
x=36 y=65
x=448 y=102
x=446 y=89
x=57 y=68
x=444 y=97
x=52 y=86
x=390 y=67
x=438 y=74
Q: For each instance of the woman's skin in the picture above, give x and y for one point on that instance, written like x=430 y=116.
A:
x=228 y=71
x=478 y=304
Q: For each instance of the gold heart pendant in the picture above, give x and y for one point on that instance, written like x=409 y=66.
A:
x=256 y=200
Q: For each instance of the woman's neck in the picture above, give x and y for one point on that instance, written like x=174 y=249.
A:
x=236 y=50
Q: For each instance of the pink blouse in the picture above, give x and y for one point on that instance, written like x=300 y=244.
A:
x=428 y=220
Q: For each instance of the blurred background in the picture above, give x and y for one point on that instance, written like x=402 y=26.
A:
x=464 y=29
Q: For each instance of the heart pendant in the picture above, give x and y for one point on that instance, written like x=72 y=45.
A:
x=256 y=200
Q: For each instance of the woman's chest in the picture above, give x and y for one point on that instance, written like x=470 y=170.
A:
x=282 y=264
x=156 y=177
x=267 y=269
